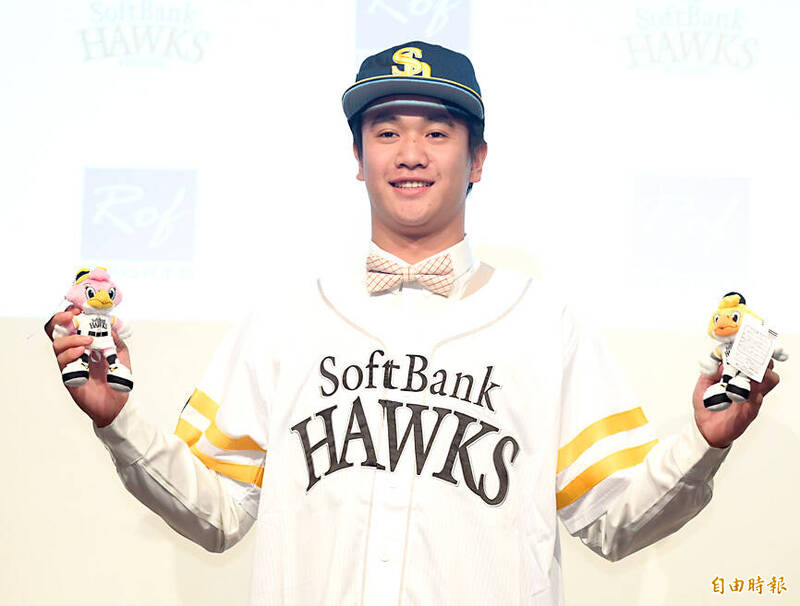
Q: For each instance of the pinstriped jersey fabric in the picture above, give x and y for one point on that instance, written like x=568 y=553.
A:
x=571 y=484
x=435 y=274
x=424 y=461
x=604 y=434
x=602 y=437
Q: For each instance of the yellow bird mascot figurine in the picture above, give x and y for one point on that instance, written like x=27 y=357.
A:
x=734 y=385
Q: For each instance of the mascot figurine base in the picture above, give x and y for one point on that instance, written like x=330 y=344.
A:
x=97 y=296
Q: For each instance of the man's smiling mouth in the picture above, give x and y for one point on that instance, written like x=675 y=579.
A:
x=410 y=184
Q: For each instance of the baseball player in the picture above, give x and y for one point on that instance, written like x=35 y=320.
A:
x=409 y=430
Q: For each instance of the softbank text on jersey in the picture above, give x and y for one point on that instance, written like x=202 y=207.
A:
x=440 y=384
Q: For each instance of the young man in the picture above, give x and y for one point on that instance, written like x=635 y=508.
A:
x=410 y=432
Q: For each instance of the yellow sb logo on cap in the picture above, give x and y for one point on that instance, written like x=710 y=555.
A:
x=408 y=58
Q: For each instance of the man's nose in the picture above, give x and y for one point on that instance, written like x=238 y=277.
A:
x=411 y=153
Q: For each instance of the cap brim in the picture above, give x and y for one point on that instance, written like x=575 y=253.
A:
x=361 y=94
x=392 y=103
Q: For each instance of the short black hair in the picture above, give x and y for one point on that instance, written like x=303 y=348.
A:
x=474 y=127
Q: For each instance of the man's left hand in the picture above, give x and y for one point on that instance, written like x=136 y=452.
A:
x=722 y=427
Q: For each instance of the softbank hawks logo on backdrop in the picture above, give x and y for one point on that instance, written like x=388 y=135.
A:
x=452 y=390
x=444 y=22
x=690 y=36
x=139 y=215
x=143 y=32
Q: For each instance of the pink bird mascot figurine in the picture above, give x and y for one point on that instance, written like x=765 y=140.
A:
x=97 y=296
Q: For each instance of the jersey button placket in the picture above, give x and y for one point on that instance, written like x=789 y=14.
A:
x=388 y=518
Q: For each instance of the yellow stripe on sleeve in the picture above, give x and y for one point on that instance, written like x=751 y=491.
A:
x=204 y=405
x=600 y=471
x=222 y=440
x=622 y=421
x=207 y=407
x=187 y=432
x=249 y=474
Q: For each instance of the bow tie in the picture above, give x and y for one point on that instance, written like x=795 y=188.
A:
x=435 y=274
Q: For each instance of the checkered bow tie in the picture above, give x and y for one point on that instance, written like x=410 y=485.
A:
x=435 y=274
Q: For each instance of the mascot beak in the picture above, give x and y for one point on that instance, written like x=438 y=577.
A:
x=101 y=300
x=726 y=327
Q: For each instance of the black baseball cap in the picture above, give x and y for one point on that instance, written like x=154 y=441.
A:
x=416 y=68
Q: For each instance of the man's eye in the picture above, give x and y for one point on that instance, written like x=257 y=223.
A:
x=386 y=134
x=437 y=134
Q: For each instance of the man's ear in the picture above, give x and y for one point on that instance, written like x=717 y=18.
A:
x=478 y=159
x=360 y=175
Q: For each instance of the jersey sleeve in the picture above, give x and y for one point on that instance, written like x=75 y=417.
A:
x=672 y=485
x=224 y=420
x=604 y=433
x=204 y=479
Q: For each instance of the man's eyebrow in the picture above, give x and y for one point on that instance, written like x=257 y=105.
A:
x=443 y=117
x=381 y=117
x=437 y=117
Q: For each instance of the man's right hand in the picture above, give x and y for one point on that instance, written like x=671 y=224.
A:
x=95 y=398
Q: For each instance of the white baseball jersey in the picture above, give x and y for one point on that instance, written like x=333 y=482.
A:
x=97 y=326
x=421 y=456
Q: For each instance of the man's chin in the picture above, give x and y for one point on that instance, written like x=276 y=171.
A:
x=409 y=213
x=410 y=226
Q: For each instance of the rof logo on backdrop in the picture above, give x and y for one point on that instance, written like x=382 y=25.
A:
x=139 y=214
x=445 y=22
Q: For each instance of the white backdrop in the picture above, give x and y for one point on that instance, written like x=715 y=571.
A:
x=644 y=151
x=643 y=155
